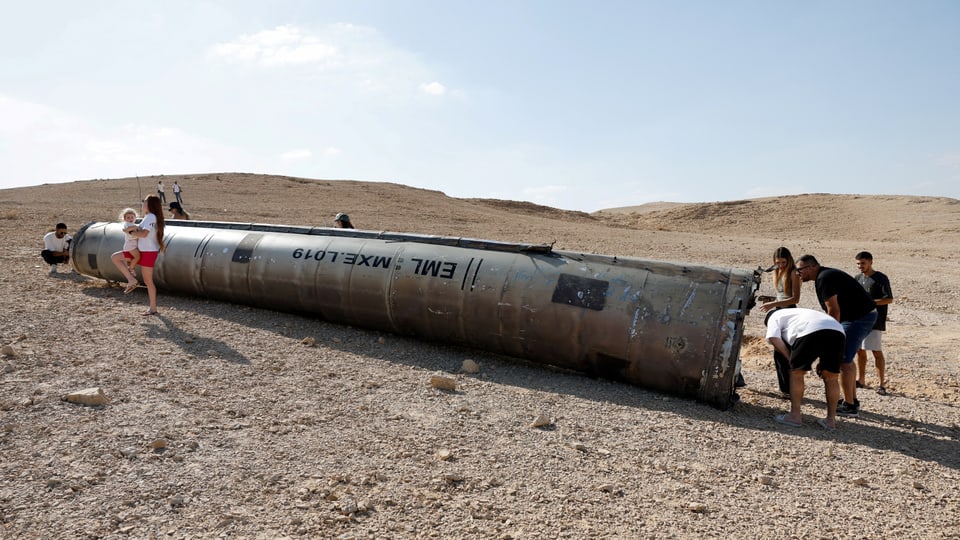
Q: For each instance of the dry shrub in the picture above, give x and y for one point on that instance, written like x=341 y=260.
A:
x=754 y=347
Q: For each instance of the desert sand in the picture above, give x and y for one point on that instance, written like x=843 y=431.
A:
x=230 y=421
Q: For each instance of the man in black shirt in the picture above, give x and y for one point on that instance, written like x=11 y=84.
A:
x=845 y=300
x=878 y=286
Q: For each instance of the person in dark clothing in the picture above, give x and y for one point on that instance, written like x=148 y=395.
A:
x=845 y=300
x=342 y=221
x=878 y=286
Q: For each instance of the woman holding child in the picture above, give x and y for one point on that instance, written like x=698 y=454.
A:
x=150 y=244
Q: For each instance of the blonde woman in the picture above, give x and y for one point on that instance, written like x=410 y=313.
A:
x=786 y=280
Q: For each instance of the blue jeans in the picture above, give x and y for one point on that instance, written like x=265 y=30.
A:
x=856 y=331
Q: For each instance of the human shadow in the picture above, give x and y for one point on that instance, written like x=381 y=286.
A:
x=189 y=343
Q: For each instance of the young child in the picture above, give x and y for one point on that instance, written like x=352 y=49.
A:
x=130 y=251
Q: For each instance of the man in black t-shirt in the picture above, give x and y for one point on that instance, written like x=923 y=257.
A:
x=845 y=300
x=877 y=286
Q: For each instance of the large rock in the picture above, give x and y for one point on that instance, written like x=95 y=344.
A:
x=88 y=396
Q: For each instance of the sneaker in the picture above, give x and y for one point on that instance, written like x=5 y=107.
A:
x=848 y=410
x=881 y=390
x=53 y=269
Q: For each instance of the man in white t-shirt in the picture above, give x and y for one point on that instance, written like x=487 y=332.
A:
x=803 y=336
x=56 y=247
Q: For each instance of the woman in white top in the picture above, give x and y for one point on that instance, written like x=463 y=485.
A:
x=150 y=244
x=786 y=279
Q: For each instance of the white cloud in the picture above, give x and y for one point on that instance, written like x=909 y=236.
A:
x=332 y=151
x=41 y=144
x=296 y=155
x=283 y=45
x=433 y=88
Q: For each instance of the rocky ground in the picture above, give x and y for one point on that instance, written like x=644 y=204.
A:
x=229 y=421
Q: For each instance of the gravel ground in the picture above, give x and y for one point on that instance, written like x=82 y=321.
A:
x=230 y=421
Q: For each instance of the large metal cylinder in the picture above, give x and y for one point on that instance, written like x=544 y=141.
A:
x=670 y=327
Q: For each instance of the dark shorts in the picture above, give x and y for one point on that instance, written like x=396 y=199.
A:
x=827 y=345
x=148 y=258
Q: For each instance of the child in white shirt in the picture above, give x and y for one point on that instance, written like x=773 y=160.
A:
x=129 y=223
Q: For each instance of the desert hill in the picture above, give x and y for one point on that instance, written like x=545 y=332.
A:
x=229 y=421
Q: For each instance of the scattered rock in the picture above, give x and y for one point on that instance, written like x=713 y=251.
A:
x=8 y=351
x=469 y=366
x=309 y=341
x=92 y=397
x=452 y=477
x=578 y=446
x=158 y=444
x=444 y=454
x=765 y=479
x=443 y=382
x=541 y=420
x=697 y=507
x=348 y=506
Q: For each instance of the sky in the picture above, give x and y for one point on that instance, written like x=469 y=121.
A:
x=580 y=105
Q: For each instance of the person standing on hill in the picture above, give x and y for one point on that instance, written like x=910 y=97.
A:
x=877 y=286
x=56 y=247
x=845 y=300
x=160 y=193
x=177 y=190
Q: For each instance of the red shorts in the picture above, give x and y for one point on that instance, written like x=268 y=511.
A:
x=147 y=258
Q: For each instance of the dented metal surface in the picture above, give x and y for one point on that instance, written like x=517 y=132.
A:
x=670 y=327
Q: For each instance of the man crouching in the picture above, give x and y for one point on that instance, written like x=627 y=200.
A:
x=804 y=335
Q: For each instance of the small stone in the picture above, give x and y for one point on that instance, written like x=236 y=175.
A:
x=765 y=479
x=158 y=444
x=348 y=506
x=177 y=501
x=188 y=340
x=578 y=446
x=696 y=507
x=606 y=488
x=918 y=485
x=88 y=396
x=444 y=454
x=452 y=477
x=308 y=341
x=469 y=366
x=8 y=350
x=541 y=420
x=442 y=382
x=860 y=481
